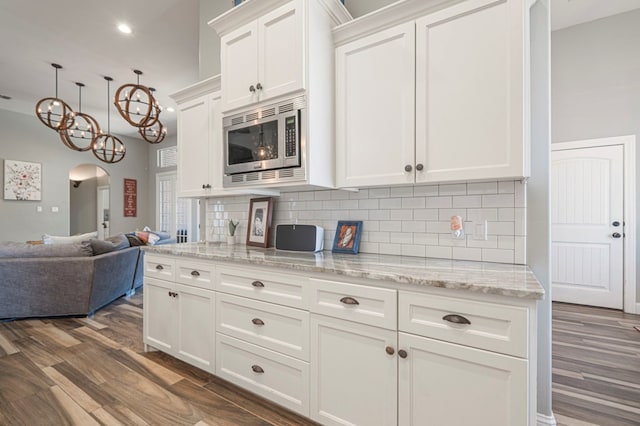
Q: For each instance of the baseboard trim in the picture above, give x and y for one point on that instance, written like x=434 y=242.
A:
x=544 y=420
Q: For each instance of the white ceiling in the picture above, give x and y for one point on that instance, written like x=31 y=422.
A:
x=81 y=36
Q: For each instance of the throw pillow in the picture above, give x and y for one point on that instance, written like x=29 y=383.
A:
x=120 y=241
x=134 y=241
x=147 y=237
x=101 y=246
x=161 y=234
x=53 y=239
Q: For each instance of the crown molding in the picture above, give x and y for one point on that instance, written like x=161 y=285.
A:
x=389 y=16
x=209 y=85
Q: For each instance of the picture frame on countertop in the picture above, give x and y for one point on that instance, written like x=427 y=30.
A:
x=260 y=213
x=347 y=239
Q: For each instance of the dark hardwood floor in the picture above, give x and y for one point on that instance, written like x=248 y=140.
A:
x=596 y=366
x=81 y=371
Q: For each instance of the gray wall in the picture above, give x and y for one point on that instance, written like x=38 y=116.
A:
x=595 y=69
x=24 y=138
x=83 y=207
x=538 y=232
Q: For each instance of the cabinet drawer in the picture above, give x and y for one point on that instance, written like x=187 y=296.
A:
x=277 y=377
x=368 y=305
x=275 y=327
x=493 y=327
x=280 y=288
x=159 y=267
x=197 y=274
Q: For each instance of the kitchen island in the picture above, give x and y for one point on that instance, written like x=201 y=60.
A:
x=351 y=339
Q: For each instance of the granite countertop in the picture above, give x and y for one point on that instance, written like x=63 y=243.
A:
x=483 y=277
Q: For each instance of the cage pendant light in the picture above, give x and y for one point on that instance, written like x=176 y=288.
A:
x=155 y=133
x=84 y=129
x=54 y=112
x=136 y=104
x=107 y=147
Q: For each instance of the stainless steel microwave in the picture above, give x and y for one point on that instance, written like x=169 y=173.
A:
x=268 y=138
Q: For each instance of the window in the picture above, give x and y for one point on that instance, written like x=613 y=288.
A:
x=178 y=216
x=167 y=157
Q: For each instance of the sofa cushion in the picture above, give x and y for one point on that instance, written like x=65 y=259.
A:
x=53 y=239
x=120 y=241
x=116 y=242
x=20 y=250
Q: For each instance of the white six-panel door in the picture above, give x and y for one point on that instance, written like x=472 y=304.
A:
x=587 y=226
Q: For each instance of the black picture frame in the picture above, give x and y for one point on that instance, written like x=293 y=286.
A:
x=347 y=239
x=259 y=227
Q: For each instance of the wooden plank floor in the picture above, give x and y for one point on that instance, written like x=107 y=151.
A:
x=79 y=371
x=596 y=366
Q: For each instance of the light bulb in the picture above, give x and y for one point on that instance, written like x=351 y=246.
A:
x=71 y=133
x=82 y=135
x=56 y=103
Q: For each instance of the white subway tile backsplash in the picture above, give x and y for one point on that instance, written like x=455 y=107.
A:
x=453 y=189
x=405 y=220
x=480 y=188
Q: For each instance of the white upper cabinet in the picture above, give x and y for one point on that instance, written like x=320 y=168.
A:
x=263 y=59
x=440 y=98
x=375 y=108
x=470 y=102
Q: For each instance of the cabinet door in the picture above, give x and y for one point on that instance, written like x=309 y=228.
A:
x=239 y=62
x=216 y=139
x=469 y=86
x=353 y=378
x=447 y=384
x=280 y=51
x=159 y=315
x=193 y=147
x=196 y=326
x=375 y=109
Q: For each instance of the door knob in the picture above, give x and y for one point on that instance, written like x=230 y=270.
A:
x=616 y=235
x=615 y=223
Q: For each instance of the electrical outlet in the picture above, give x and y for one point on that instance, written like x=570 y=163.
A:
x=55 y=209
x=39 y=209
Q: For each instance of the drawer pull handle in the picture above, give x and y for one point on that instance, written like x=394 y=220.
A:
x=402 y=353
x=257 y=321
x=389 y=350
x=195 y=273
x=159 y=267
x=257 y=369
x=257 y=284
x=349 y=301
x=456 y=319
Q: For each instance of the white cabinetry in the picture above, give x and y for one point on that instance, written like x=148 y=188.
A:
x=353 y=365
x=460 y=353
x=263 y=59
x=263 y=335
x=199 y=139
x=179 y=318
x=470 y=108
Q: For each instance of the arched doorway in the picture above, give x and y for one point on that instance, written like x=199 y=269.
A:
x=89 y=200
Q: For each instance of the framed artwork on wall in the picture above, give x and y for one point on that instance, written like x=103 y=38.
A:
x=22 y=180
x=260 y=212
x=347 y=239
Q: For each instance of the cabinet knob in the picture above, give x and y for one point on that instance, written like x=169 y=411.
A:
x=204 y=186
x=159 y=267
x=456 y=319
x=389 y=350
x=208 y=186
x=419 y=167
x=259 y=86
x=170 y=294
x=257 y=369
x=349 y=301
x=257 y=321
x=402 y=353
x=252 y=89
x=616 y=223
x=257 y=284
x=408 y=168
x=195 y=273
x=616 y=235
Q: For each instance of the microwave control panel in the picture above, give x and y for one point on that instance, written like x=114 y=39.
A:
x=290 y=137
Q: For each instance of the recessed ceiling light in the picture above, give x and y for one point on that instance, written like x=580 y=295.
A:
x=170 y=109
x=124 y=28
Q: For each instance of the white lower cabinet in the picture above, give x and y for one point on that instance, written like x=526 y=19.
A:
x=179 y=320
x=353 y=373
x=280 y=378
x=346 y=353
x=442 y=383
